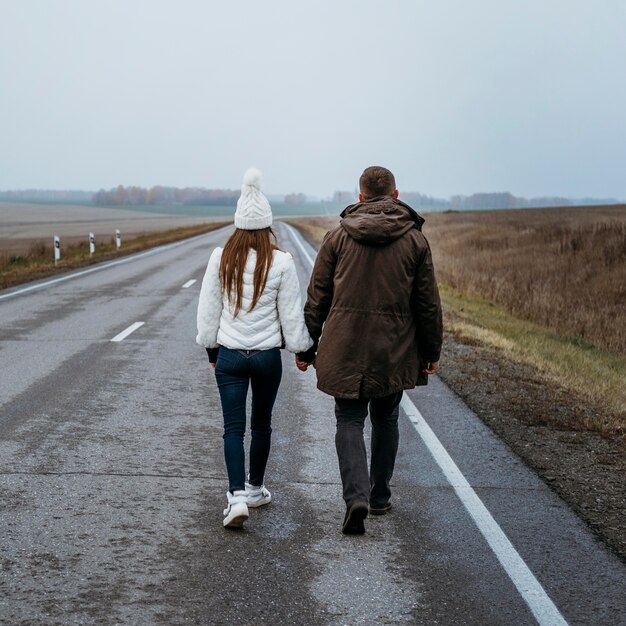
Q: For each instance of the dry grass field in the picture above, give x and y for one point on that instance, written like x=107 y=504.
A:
x=564 y=269
x=22 y=225
x=38 y=261
x=27 y=230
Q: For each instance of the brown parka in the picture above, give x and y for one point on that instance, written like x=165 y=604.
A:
x=373 y=302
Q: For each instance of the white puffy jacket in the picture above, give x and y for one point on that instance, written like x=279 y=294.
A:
x=278 y=313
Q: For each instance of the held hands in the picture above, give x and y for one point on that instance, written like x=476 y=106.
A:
x=303 y=365
x=431 y=368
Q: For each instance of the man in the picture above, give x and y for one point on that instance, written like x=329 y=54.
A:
x=374 y=294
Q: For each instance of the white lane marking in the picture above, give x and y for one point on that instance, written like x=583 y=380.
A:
x=542 y=607
x=189 y=283
x=530 y=589
x=103 y=266
x=295 y=237
x=131 y=329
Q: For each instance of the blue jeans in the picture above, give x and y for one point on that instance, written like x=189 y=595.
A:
x=235 y=372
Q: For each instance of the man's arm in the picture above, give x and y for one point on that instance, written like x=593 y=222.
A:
x=427 y=311
x=319 y=294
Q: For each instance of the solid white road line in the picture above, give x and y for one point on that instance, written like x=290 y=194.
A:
x=131 y=329
x=544 y=610
x=532 y=592
x=189 y=283
x=103 y=266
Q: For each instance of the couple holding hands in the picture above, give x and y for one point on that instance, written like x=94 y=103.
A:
x=371 y=326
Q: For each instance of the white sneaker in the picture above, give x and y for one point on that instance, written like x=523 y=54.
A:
x=257 y=496
x=236 y=513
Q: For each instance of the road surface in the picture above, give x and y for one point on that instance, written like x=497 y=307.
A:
x=112 y=484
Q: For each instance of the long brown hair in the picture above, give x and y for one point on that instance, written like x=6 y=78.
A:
x=234 y=257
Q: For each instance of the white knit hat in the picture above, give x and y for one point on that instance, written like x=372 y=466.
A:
x=253 y=210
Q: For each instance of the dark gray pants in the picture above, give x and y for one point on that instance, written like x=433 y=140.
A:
x=358 y=484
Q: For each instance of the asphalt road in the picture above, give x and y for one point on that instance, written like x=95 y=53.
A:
x=112 y=484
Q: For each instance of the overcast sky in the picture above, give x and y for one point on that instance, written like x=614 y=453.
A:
x=453 y=96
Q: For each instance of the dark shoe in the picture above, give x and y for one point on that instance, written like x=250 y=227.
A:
x=380 y=510
x=353 y=521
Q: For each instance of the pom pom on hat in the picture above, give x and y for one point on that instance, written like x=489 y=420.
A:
x=253 y=178
x=253 y=209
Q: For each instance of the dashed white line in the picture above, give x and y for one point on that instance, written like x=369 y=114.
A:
x=131 y=329
x=189 y=283
x=545 y=611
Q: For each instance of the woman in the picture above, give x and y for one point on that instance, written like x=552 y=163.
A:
x=249 y=307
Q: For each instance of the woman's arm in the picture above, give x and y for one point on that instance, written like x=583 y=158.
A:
x=210 y=303
x=290 y=312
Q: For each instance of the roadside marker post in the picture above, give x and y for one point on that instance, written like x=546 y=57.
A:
x=92 y=244
x=118 y=238
x=57 y=249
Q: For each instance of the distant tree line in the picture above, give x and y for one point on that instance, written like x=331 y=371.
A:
x=420 y=200
x=133 y=195
x=504 y=200
x=509 y=201
x=414 y=198
x=345 y=197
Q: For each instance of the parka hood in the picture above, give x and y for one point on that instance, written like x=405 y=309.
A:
x=379 y=221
